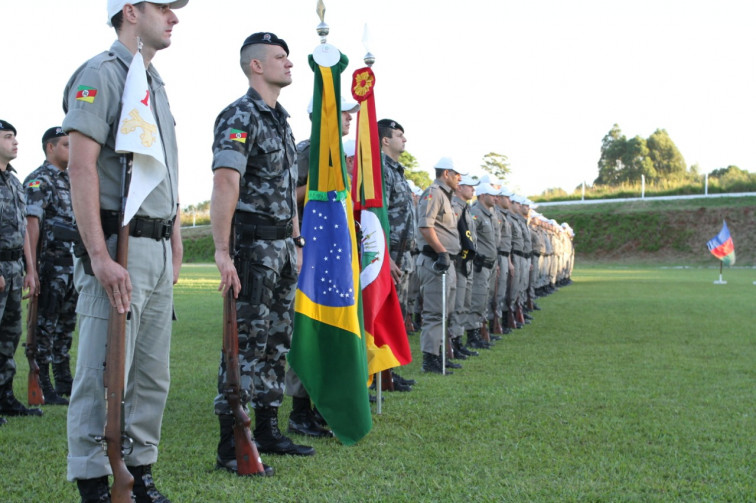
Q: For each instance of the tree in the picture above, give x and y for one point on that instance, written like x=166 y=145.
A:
x=667 y=160
x=623 y=160
x=497 y=165
x=413 y=172
x=612 y=149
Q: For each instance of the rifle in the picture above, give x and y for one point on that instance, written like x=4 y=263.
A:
x=35 y=395
x=117 y=442
x=248 y=461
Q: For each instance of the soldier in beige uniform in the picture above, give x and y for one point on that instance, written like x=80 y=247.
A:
x=439 y=245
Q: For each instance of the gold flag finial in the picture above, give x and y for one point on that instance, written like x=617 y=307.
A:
x=322 y=28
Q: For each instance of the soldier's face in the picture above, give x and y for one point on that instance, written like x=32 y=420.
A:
x=452 y=178
x=395 y=144
x=276 y=67
x=8 y=146
x=346 y=121
x=156 y=22
x=59 y=153
x=466 y=192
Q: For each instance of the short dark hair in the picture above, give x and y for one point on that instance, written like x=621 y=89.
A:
x=117 y=20
x=50 y=141
x=384 y=132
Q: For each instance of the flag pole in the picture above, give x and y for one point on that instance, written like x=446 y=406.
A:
x=720 y=281
x=443 y=323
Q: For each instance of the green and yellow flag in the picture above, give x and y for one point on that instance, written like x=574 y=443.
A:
x=328 y=350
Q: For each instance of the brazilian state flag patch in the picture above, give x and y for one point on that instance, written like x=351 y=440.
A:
x=237 y=135
x=34 y=184
x=85 y=93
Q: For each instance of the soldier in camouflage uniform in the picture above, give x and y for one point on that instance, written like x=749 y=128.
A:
x=50 y=223
x=14 y=246
x=254 y=192
x=401 y=217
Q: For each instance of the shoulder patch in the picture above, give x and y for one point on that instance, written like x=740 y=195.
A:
x=86 y=93
x=34 y=184
x=237 y=135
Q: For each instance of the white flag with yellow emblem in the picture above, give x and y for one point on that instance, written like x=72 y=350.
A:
x=138 y=133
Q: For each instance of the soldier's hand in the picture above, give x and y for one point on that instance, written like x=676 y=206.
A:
x=116 y=281
x=2 y=283
x=396 y=273
x=229 y=276
x=442 y=263
x=30 y=285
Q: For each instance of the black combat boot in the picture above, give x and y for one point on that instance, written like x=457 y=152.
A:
x=432 y=363
x=226 y=457
x=269 y=438
x=401 y=380
x=94 y=490
x=144 y=487
x=51 y=397
x=302 y=420
x=474 y=340
x=460 y=348
x=63 y=378
x=10 y=406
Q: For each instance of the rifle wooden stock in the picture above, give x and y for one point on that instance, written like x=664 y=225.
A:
x=114 y=378
x=35 y=395
x=248 y=460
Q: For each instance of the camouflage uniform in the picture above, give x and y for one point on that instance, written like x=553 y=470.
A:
x=12 y=232
x=401 y=217
x=266 y=161
x=48 y=197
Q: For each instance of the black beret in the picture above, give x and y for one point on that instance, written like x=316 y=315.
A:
x=7 y=126
x=390 y=124
x=53 y=132
x=263 y=37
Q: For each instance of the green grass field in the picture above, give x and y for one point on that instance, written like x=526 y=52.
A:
x=632 y=384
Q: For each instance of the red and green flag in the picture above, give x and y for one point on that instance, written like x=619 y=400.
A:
x=328 y=350
x=386 y=337
x=722 y=247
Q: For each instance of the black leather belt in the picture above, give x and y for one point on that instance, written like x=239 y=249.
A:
x=252 y=226
x=430 y=252
x=139 y=227
x=535 y=254
x=519 y=253
x=504 y=253
x=11 y=255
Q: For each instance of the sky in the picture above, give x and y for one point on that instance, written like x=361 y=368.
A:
x=540 y=81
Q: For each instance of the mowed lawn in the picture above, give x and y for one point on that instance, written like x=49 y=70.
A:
x=632 y=384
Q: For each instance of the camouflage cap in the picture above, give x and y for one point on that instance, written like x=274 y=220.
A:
x=263 y=37
x=7 y=126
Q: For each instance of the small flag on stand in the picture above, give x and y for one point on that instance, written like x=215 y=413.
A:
x=722 y=247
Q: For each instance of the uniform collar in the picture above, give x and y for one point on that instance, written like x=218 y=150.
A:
x=257 y=99
x=124 y=54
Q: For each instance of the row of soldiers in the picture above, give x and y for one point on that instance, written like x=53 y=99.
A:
x=483 y=262
x=36 y=237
